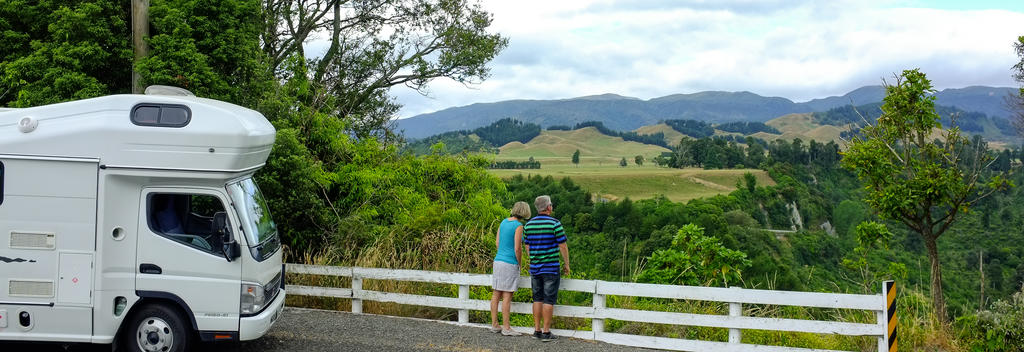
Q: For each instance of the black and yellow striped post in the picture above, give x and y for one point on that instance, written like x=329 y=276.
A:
x=889 y=292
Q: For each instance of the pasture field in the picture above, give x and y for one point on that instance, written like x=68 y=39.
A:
x=606 y=179
x=590 y=143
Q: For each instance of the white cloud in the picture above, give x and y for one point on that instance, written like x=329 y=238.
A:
x=797 y=50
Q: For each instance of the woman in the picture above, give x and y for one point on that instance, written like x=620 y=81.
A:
x=506 y=265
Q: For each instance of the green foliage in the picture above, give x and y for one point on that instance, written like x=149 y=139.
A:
x=576 y=157
x=695 y=259
x=327 y=187
x=692 y=128
x=747 y=127
x=846 y=216
x=998 y=329
x=211 y=48
x=720 y=153
x=750 y=182
x=451 y=143
x=639 y=160
x=512 y=164
x=923 y=183
x=870 y=236
x=483 y=139
x=55 y=51
x=623 y=162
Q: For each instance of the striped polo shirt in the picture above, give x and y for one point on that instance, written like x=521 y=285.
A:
x=543 y=233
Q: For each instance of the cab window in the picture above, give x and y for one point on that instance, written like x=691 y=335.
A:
x=187 y=219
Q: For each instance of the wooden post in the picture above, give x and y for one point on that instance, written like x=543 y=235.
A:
x=735 y=335
x=883 y=343
x=357 y=292
x=464 y=295
x=140 y=30
x=597 y=325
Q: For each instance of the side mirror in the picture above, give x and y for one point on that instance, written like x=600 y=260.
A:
x=229 y=247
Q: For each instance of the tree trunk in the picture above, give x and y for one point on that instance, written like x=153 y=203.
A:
x=938 y=301
x=140 y=30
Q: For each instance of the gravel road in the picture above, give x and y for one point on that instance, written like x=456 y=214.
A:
x=318 y=330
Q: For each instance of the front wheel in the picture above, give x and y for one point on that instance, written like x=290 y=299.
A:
x=156 y=328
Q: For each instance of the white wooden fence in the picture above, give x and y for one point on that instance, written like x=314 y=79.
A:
x=735 y=297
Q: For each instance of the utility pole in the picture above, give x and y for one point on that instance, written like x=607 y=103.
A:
x=140 y=30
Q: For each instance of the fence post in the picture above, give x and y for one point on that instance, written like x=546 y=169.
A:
x=597 y=324
x=357 y=291
x=735 y=335
x=887 y=317
x=463 y=295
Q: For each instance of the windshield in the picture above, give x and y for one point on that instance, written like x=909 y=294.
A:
x=259 y=228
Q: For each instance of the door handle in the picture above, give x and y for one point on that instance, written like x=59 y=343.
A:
x=150 y=269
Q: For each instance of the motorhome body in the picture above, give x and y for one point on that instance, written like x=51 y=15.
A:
x=118 y=209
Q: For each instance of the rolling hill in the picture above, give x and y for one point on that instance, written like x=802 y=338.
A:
x=590 y=143
x=627 y=114
x=671 y=135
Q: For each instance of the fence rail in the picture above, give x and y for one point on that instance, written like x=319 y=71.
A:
x=598 y=312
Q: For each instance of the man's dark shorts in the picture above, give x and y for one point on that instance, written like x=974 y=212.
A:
x=545 y=288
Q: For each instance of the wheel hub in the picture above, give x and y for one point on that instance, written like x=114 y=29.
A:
x=155 y=335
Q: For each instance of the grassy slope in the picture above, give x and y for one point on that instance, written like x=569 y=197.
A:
x=671 y=136
x=608 y=180
x=589 y=141
x=801 y=126
x=599 y=171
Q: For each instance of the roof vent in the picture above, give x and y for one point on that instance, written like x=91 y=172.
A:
x=168 y=90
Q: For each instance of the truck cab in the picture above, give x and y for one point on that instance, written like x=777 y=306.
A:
x=135 y=219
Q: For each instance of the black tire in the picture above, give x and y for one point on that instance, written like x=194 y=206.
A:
x=156 y=328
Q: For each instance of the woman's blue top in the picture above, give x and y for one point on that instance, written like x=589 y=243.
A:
x=507 y=241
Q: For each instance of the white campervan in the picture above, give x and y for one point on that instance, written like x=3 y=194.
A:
x=136 y=217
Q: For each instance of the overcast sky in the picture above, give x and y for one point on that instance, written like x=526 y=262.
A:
x=794 y=49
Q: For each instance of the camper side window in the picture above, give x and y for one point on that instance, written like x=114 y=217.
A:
x=161 y=115
x=186 y=218
x=1 y=183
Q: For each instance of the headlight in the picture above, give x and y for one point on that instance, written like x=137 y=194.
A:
x=253 y=299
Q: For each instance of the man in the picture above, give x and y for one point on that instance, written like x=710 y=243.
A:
x=545 y=240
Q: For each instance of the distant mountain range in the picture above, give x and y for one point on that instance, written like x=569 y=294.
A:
x=626 y=113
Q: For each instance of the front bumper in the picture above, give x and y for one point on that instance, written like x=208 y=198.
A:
x=254 y=327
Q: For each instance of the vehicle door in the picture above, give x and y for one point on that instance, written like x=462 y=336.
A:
x=180 y=254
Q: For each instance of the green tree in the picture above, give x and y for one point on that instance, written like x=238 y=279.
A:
x=576 y=157
x=211 y=48
x=750 y=182
x=921 y=182
x=55 y=51
x=623 y=162
x=378 y=45
x=695 y=259
x=639 y=160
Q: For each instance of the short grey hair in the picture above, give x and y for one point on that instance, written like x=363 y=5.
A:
x=542 y=203
x=521 y=210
